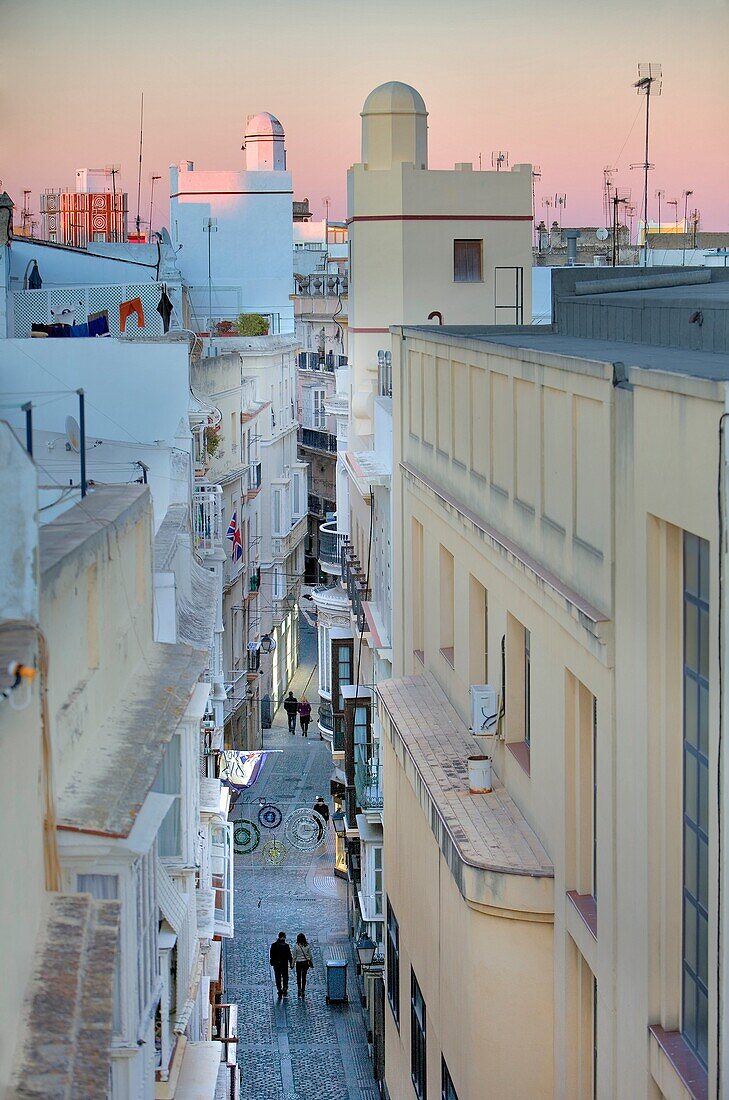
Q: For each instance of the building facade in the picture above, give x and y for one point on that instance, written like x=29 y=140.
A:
x=555 y=539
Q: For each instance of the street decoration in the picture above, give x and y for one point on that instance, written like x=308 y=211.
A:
x=305 y=829
x=269 y=816
x=274 y=852
x=246 y=837
x=241 y=769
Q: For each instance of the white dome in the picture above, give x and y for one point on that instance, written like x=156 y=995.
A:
x=394 y=98
x=263 y=125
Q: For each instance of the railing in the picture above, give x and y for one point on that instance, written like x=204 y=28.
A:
x=355 y=583
x=225 y=1030
x=384 y=374
x=207 y=519
x=331 y=542
x=318 y=441
x=320 y=506
x=312 y=360
x=35 y=306
x=224 y=324
x=319 y=285
x=368 y=784
x=325 y=719
x=235 y=693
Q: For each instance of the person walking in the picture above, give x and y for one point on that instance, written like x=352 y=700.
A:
x=291 y=706
x=304 y=962
x=321 y=808
x=281 y=959
x=304 y=715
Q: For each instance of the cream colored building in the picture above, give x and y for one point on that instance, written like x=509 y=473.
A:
x=556 y=535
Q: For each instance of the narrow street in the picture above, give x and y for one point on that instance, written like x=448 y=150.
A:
x=294 y=1049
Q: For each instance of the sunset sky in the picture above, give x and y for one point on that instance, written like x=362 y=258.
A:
x=549 y=83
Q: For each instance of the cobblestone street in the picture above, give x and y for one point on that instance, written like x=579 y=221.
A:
x=294 y=1049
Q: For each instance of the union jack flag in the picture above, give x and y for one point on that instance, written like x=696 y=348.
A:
x=233 y=533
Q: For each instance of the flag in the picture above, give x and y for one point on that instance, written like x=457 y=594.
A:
x=233 y=533
x=241 y=769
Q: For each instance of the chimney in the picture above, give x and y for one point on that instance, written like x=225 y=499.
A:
x=571 y=236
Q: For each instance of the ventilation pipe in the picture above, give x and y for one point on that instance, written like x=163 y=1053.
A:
x=572 y=236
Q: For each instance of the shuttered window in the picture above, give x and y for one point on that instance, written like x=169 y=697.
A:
x=467 y=261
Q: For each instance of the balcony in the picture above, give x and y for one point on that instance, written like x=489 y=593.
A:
x=254 y=479
x=207 y=519
x=222 y=325
x=320 y=506
x=311 y=360
x=384 y=374
x=355 y=582
x=283 y=545
x=317 y=440
x=368 y=784
x=325 y=720
x=319 y=285
x=331 y=544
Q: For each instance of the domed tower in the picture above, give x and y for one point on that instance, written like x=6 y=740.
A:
x=264 y=144
x=394 y=127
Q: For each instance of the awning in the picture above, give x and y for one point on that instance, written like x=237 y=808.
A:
x=199 y=1074
x=371 y=834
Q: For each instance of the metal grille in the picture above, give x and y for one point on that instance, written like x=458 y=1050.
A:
x=34 y=306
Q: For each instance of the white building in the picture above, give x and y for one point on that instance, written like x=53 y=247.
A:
x=234 y=233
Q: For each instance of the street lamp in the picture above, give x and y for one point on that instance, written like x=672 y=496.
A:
x=366 y=949
x=339 y=822
x=267 y=644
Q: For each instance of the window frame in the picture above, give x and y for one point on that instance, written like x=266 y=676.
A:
x=447 y=1088
x=418 y=1039
x=392 y=971
x=464 y=267
x=222 y=876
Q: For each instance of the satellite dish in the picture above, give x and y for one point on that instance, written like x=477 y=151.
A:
x=602 y=234
x=164 y=234
x=73 y=435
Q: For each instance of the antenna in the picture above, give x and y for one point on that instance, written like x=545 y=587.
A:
x=499 y=160
x=620 y=196
x=607 y=186
x=26 y=215
x=536 y=175
x=113 y=170
x=561 y=202
x=151 y=203
x=659 y=194
x=686 y=196
x=649 y=82
x=139 y=173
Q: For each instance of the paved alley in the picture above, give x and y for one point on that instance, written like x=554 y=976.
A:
x=294 y=1049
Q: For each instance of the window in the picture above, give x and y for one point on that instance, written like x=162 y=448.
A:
x=221 y=865
x=447 y=1089
x=377 y=867
x=446 y=606
x=418 y=1068
x=320 y=416
x=478 y=608
x=276 y=517
x=169 y=781
x=467 y=261
x=343 y=660
x=279 y=583
x=106 y=888
x=393 y=963
x=527 y=687
x=694 y=994
x=147 y=960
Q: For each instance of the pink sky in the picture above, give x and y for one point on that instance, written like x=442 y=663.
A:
x=549 y=83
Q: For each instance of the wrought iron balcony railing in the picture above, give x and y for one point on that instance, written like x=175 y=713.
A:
x=318 y=440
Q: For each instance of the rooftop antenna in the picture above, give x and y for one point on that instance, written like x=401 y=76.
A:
x=139 y=172
x=536 y=175
x=151 y=203
x=607 y=176
x=561 y=202
x=210 y=226
x=659 y=194
x=26 y=214
x=499 y=160
x=686 y=196
x=113 y=170
x=674 y=203
x=649 y=82
x=619 y=197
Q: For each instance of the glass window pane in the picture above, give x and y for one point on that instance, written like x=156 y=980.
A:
x=702 y=1026
x=703 y=719
x=691 y=563
x=703 y=778
x=702 y=949
x=703 y=883
x=703 y=665
x=691 y=710
x=691 y=803
x=691 y=636
x=690 y=938
x=703 y=569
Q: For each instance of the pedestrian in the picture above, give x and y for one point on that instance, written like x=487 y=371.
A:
x=304 y=715
x=304 y=962
x=321 y=808
x=291 y=706
x=282 y=961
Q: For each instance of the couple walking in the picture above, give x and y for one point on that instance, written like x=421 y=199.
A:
x=282 y=960
x=302 y=707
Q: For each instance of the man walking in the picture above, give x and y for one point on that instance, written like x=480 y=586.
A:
x=291 y=706
x=282 y=961
x=321 y=808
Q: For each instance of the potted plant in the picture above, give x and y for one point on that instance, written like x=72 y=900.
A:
x=212 y=440
x=251 y=324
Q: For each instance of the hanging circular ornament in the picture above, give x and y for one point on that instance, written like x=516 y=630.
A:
x=246 y=837
x=305 y=829
x=274 y=852
x=269 y=816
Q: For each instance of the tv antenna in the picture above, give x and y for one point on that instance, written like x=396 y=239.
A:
x=686 y=196
x=649 y=82
x=561 y=202
x=659 y=194
x=113 y=170
x=536 y=175
x=499 y=160
x=139 y=171
x=26 y=213
x=607 y=187
x=620 y=197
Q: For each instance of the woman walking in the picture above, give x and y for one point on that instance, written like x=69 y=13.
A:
x=303 y=961
x=304 y=715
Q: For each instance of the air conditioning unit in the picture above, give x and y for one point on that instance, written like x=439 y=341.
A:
x=484 y=710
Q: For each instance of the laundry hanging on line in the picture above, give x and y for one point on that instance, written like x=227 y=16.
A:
x=126 y=309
